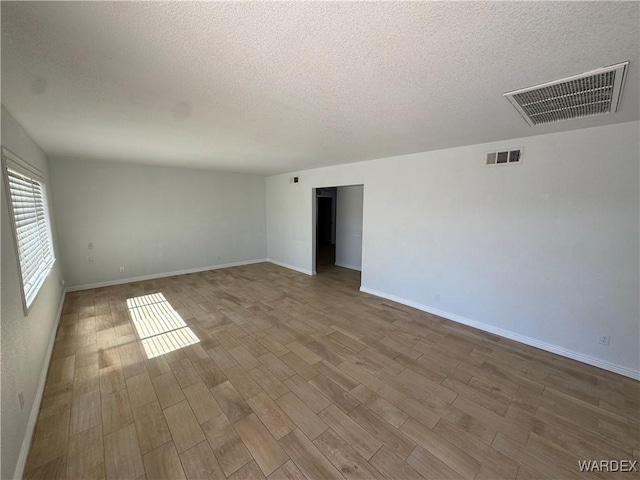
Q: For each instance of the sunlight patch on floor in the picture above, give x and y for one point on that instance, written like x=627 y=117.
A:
x=160 y=327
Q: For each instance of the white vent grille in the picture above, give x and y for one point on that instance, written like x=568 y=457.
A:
x=504 y=157
x=584 y=95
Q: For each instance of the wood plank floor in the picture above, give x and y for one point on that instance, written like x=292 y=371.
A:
x=282 y=375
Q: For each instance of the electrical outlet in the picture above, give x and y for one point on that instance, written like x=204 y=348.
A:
x=21 y=399
x=90 y=259
x=604 y=340
x=218 y=257
x=437 y=297
x=62 y=283
x=90 y=245
x=121 y=269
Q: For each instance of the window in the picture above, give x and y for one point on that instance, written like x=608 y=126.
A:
x=27 y=201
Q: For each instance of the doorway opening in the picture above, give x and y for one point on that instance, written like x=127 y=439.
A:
x=326 y=228
x=338 y=220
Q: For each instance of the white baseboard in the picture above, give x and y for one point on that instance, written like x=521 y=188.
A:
x=153 y=276
x=346 y=265
x=291 y=267
x=581 y=357
x=37 y=401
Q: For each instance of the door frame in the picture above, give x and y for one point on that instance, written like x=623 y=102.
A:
x=314 y=222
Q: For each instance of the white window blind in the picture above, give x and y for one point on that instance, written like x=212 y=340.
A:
x=28 y=208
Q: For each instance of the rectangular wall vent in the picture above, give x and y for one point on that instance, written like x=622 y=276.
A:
x=504 y=157
x=590 y=93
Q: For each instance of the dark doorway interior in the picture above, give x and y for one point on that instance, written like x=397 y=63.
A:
x=325 y=231
x=325 y=206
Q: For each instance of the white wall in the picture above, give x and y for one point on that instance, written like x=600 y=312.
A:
x=26 y=341
x=349 y=227
x=546 y=251
x=153 y=220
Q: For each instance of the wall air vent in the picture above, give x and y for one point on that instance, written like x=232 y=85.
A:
x=591 y=93
x=504 y=157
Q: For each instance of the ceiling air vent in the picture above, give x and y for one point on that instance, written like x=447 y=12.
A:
x=584 y=95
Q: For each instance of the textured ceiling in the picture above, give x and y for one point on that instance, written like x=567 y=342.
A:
x=275 y=87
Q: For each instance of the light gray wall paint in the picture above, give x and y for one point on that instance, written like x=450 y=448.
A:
x=25 y=340
x=349 y=227
x=153 y=220
x=547 y=250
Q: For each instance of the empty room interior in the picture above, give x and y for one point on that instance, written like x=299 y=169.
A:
x=320 y=240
